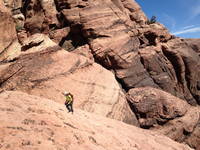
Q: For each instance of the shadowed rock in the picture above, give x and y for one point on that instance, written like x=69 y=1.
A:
x=166 y=114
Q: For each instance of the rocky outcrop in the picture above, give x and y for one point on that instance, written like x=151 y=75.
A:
x=170 y=66
x=185 y=129
x=9 y=46
x=44 y=124
x=37 y=42
x=154 y=106
x=128 y=48
x=49 y=71
x=187 y=67
x=114 y=51
x=166 y=114
x=40 y=16
x=128 y=51
x=134 y=11
x=194 y=44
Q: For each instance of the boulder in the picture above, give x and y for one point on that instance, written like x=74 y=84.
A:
x=166 y=114
x=185 y=129
x=154 y=107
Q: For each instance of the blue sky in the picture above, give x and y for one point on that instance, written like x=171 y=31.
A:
x=181 y=17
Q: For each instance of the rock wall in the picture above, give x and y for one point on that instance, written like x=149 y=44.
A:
x=160 y=111
x=115 y=52
x=9 y=46
x=47 y=71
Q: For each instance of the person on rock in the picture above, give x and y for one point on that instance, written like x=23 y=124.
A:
x=69 y=101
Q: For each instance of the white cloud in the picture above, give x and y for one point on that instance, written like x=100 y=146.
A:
x=190 y=30
x=188 y=27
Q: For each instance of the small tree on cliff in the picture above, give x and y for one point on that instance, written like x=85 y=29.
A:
x=152 y=20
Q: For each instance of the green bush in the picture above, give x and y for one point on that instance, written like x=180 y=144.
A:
x=152 y=20
x=18 y=27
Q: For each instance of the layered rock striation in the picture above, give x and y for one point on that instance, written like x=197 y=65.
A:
x=118 y=64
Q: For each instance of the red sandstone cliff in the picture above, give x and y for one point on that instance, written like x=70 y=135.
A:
x=117 y=65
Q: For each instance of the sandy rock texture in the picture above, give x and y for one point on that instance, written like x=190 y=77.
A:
x=49 y=71
x=9 y=46
x=162 y=112
x=107 y=53
x=44 y=124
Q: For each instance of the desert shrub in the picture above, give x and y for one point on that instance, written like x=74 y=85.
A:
x=18 y=27
x=152 y=20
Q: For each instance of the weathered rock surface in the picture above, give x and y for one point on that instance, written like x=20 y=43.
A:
x=44 y=124
x=40 y=15
x=37 y=42
x=117 y=35
x=134 y=11
x=11 y=52
x=194 y=44
x=114 y=40
x=129 y=51
x=8 y=39
x=169 y=115
x=186 y=64
x=185 y=129
x=59 y=35
x=171 y=66
x=51 y=71
x=13 y=5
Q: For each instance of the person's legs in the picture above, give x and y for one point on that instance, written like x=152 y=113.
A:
x=68 y=107
x=72 y=110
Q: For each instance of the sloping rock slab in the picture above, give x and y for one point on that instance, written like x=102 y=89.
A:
x=44 y=124
x=50 y=72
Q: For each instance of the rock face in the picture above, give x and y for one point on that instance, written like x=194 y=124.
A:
x=129 y=51
x=187 y=67
x=40 y=15
x=49 y=72
x=44 y=124
x=154 y=106
x=113 y=51
x=166 y=114
x=194 y=44
x=9 y=46
x=185 y=129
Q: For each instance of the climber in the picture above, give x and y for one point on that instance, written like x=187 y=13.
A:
x=69 y=101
